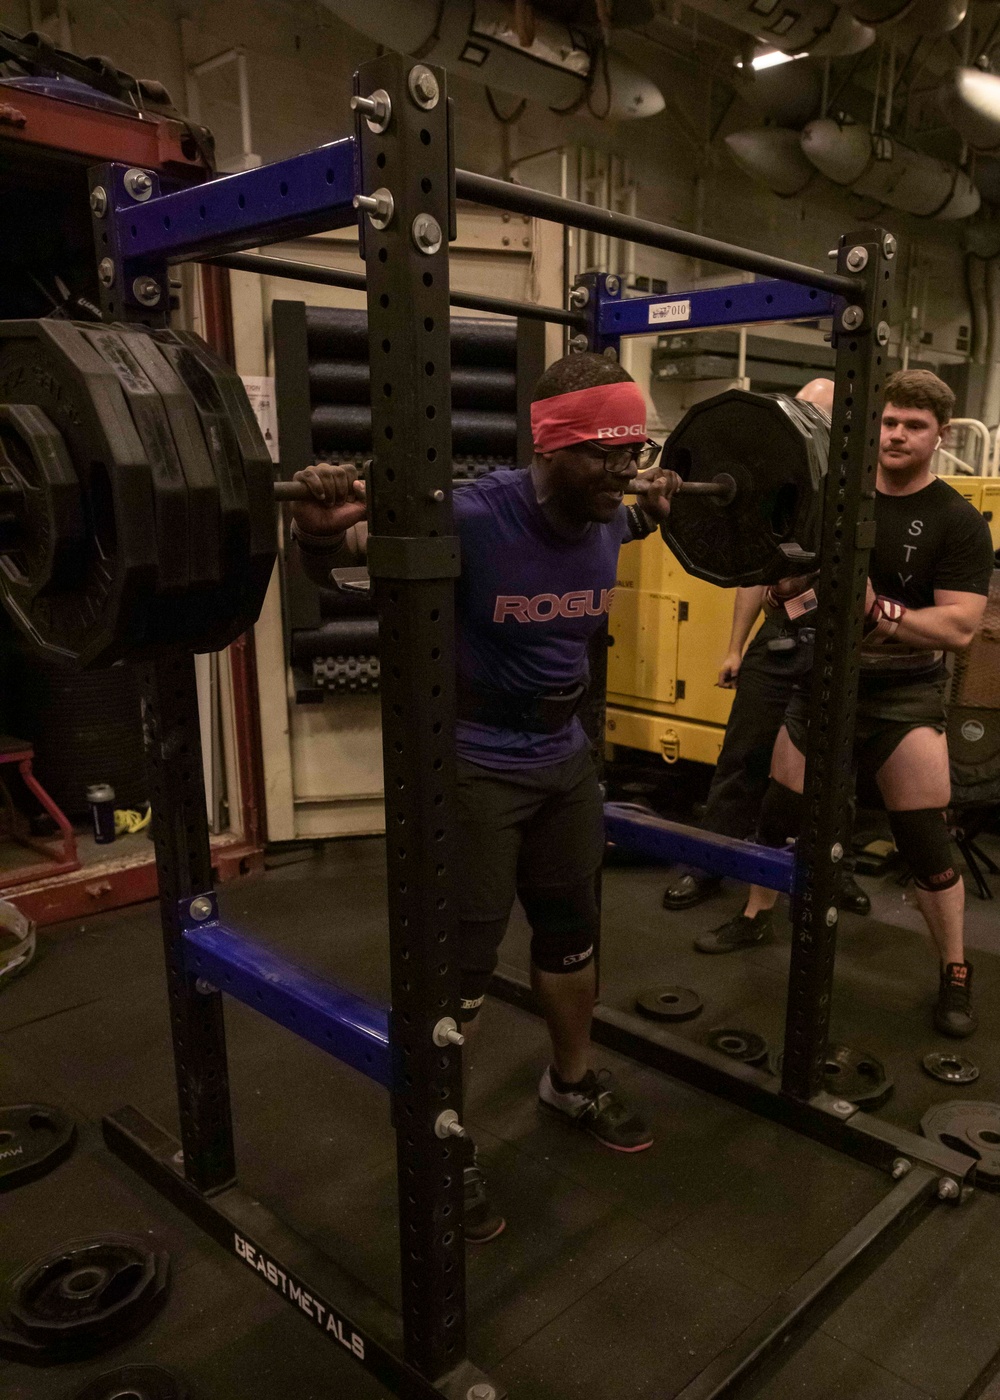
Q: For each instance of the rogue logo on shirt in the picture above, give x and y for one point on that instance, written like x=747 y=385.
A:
x=543 y=607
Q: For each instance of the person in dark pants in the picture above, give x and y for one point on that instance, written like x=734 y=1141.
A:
x=929 y=578
x=539 y=561
x=763 y=679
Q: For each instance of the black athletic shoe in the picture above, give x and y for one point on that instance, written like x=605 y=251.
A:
x=688 y=889
x=851 y=898
x=738 y=932
x=953 y=1014
x=482 y=1223
x=597 y=1107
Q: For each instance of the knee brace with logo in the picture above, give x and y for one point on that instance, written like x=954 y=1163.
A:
x=923 y=840
x=780 y=815
x=564 y=925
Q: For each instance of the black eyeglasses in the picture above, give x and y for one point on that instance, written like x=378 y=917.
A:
x=619 y=460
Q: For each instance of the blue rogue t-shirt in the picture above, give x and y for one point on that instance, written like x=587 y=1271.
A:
x=528 y=601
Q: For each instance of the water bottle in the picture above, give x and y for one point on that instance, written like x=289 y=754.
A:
x=101 y=797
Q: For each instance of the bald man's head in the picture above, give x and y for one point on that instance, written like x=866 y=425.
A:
x=820 y=393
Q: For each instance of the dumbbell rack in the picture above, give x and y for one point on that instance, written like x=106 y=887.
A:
x=400 y=156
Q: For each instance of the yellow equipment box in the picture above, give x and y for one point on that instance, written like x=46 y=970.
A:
x=669 y=634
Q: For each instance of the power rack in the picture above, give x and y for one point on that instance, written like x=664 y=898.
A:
x=396 y=176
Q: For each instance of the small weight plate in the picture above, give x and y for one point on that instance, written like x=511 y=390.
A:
x=669 y=1003
x=82 y=1298
x=135 y=1383
x=850 y=1074
x=968 y=1126
x=746 y=1046
x=950 y=1068
x=34 y=1138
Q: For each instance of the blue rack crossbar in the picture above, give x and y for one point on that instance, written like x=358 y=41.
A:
x=345 y=1025
x=641 y=833
x=309 y=193
x=741 y=304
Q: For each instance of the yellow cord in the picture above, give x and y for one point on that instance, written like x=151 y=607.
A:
x=128 y=822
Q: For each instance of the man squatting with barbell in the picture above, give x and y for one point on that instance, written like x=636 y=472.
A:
x=539 y=559
x=929 y=578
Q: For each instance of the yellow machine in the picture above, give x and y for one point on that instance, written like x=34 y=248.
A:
x=669 y=634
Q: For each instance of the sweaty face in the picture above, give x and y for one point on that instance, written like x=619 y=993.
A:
x=909 y=437
x=585 y=486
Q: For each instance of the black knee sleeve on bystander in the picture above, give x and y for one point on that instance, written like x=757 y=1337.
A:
x=923 y=840
x=564 y=924
x=478 y=943
x=780 y=815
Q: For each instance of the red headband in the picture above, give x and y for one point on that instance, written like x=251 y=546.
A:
x=605 y=412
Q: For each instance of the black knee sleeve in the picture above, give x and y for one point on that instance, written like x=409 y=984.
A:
x=478 y=942
x=780 y=815
x=564 y=924
x=922 y=839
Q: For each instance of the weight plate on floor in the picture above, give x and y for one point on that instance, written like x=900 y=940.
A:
x=746 y=1046
x=82 y=1298
x=970 y=1127
x=34 y=1138
x=135 y=1383
x=669 y=1003
x=850 y=1074
x=950 y=1068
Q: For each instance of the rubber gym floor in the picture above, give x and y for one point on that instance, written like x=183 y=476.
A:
x=617 y=1275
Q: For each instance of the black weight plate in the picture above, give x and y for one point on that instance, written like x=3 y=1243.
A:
x=968 y=1126
x=50 y=552
x=669 y=1003
x=850 y=1074
x=100 y=617
x=203 y=488
x=223 y=449
x=170 y=496
x=82 y=1298
x=776 y=454
x=134 y=1383
x=34 y=1138
x=248 y=510
x=950 y=1068
x=746 y=1046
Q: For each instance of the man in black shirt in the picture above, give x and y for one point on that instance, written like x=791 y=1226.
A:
x=929 y=578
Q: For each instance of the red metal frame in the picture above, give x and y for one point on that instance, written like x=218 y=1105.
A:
x=88 y=136
x=60 y=860
x=36 y=119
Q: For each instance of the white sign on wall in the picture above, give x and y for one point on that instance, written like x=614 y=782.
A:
x=260 y=392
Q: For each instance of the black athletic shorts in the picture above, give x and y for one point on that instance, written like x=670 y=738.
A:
x=888 y=708
x=532 y=828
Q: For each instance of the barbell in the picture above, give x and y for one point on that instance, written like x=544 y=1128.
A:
x=722 y=487
x=138 y=502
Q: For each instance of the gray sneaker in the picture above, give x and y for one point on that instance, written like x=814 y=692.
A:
x=738 y=932
x=600 y=1109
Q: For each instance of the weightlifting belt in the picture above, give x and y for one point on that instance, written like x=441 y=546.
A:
x=545 y=713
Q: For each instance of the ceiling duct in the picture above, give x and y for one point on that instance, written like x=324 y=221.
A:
x=817 y=27
x=772 y=155
x=970 y=101
x=476 y=39
x=882 y=168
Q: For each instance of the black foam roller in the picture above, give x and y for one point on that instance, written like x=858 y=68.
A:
x=337 y=333
x=343 y=603
x=348 y=428
x=476 y=387
x=355 y=636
